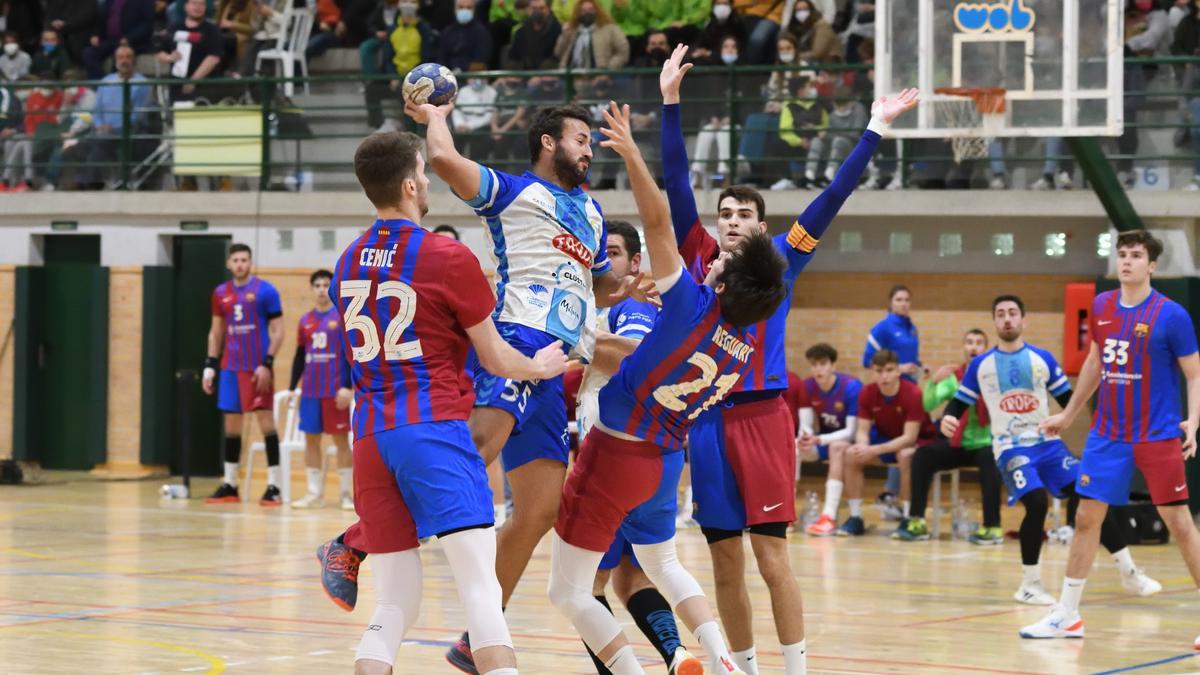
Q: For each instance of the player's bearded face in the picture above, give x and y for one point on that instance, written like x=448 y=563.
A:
x=239 y=265
x=570 y=166
x=1009 y=322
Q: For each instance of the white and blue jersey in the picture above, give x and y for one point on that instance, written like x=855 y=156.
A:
x=1016 y=387
x=628 y=318
x=548 y=245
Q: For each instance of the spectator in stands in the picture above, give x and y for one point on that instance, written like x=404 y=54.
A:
x=1147 y=33
x=630 y=17
x=590 y=39
x=439 y=14
x=760 y=131
x=410 y=42
x=235 y=20
x=472 y=116
x=193 y=50
x=714 y=128
x=846 y=122
x=533 y=44
x=814 y=36
x=329 y=29
x=1187 y=43
x=42 y=108
x=128 y=20
x=803 y=119
x=380 y=25
x=509 y=122
x=723 y=23
x=447 y=231
x=467 y=43
x=267 y=24
x=861 y=27
x=23 y=17
x=656 y=52
x=174 y=13
x=40 y=120
x=74 y=122
x=763 y=18
x=12 y=121
x=14 y=62
x=109 y=120
x=73 y=21
x=681 y=20
x=502 y=19
x=50 y=58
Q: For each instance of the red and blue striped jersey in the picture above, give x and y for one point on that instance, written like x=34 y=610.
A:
x=407 y=297
x=687 y=363
x=830 y=408
x=246 y=311
x=321 y=333
x=1138 y=399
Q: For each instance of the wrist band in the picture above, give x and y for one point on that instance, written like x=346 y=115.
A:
x=212 y=362
x=269 y=361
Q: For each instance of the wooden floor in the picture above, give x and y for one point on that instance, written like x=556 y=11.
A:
x=100 y=577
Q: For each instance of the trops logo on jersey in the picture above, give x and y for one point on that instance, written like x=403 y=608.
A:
x=1018 y=403
x=567 y=243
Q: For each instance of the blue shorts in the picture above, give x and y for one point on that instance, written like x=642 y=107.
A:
x=1107 y=468
x=888 y=458
x=653 y=521
x=439 y=472
x=619 y=549
x=538 y=406
x=236 y=393
x=823 y=453
x=1047 y=465
x=322 y=416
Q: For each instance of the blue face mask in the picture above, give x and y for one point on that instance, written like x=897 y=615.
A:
x=49 y=47
x=464 y=16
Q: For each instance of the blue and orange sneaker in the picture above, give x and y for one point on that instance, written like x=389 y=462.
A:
x=459 y=655
x=339 y=572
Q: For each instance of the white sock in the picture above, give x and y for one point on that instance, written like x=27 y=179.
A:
x=346 y=479
x=1072 y=591
x=273 y=475
x=1031 y=574
x=686 y=508
x=314 y=481
x=905 y=505
x=709 y=636
x=795 y=659
x=1124 y=560
x=231 y=472
x=833 y=497
x=624 y=662
x=745 y=661
x=855 y=507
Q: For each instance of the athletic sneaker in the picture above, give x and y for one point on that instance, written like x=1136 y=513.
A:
x=1057 y=624
x=224 y=494
x=822 y=527
x=339 y=572
x=853 y=527
x=1139 y=583
x=913 y=529
x=1196 y=643
x=1033 y=593
x=309 y=501
x=347 y=501
x=987 y=536
x=459 y=655
x=1062 y=535
x=683 y=663
x=271 y=497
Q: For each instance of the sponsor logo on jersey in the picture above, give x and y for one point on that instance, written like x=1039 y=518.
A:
x=570 y=311
x=1019 y=403
x=1016 y=463
x=567 y=243
x=1141 y=330
x=567 y=272
x=538 y=289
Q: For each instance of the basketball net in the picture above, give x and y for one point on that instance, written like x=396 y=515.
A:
x=977 y=111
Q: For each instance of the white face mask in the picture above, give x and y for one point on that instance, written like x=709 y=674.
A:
x=787 y=57
x=11 y=48
x=729 y=59
x=464 y=16
x=802 y=15
x=721 y=12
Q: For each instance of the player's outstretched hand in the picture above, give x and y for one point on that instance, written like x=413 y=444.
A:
x=263 y=379
x=638 y=287
x=672 y=74
x=344 y=397
x=1189 y=437
x=422 y=113
x=551 y=360
x=618 y=134
x=206 y=383
x=949 y=425
x=1053 y=425
x=888 y=109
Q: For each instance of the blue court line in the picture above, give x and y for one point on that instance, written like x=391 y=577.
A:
x=1151 y=664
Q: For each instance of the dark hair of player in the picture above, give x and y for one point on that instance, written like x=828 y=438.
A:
x=980 y=333
x=884 y=357
x=549 y=122
x=1141 y=238
x=1008 y=298
x=320 y=274
x=238 y=248
x=744 y=194
x=896 y=289
x=627 y=233
x=448 y=229
x=382 y=162
x=753 y=278
x=822 y=351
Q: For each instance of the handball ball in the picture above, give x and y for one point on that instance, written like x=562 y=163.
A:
x=430 y=83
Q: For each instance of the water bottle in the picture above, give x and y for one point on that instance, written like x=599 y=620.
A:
x=813 y=511
x=174 y=491
x=970 y=509
x=959 y=526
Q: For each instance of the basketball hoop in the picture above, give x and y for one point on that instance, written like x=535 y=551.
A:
x=977 y=111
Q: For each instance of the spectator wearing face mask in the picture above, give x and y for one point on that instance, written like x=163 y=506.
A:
x=410 y=42
x=804 y=118
x=815 y=39
x=379 y=25
x=14 y=62
x=722 y=23
x=73 y=21
x=472 y=116
x=533 y=43
x=467 y=43
x=50 y=58
x=509 y=121
x=712 y=120
x=590 y=39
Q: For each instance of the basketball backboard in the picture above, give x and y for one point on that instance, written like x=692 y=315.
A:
x=1060 y=62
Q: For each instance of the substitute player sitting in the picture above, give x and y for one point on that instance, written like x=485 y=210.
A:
x=324 y=395
x=629 y=465
x=828 y=418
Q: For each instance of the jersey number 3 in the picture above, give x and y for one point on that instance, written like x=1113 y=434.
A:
x=358 y=292
x=1116 y=351
x=671 y=396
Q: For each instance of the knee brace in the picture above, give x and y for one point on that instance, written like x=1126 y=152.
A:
x=472 y=557
x=660 y=563
x=572 y=570
x=398 y=587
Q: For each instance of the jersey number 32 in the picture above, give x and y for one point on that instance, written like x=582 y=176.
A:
x=359 y=291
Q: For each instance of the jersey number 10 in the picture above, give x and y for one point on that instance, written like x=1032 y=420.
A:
x=671 y=396
x=393 y=349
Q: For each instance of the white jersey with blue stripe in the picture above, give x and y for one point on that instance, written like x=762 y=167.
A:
x=548 y=245
x=1016 y=387
x=628 y=318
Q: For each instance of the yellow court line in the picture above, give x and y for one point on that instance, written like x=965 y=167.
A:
x=215 y=665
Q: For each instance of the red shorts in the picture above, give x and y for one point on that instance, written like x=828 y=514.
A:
x=1161 y=463
x=237 y=394
x=611 y=477
x=384 y=522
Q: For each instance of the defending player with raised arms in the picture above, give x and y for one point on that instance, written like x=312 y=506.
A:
x=743 y=453
x=412 y=304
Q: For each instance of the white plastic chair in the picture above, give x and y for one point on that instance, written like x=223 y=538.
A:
x=289 y=48
x=935 y=526
x=290 y=440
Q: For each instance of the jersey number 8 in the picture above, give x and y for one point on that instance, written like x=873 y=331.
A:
x=393 y=349
x=671 y=396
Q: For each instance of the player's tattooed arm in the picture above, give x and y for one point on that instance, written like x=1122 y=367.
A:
x=1190 y=365
x=460 y=173
x=216 y=337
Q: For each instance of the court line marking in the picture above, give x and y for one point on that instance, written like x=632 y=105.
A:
x=1151 y=664
x=215 y=665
